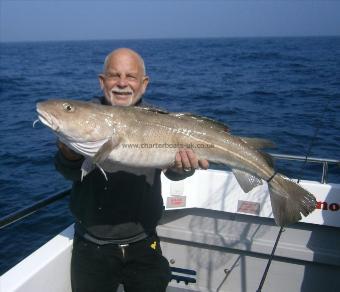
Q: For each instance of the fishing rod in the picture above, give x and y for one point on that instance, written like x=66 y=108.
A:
x=311 y=144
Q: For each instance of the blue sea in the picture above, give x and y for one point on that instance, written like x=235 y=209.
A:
x=284 y=89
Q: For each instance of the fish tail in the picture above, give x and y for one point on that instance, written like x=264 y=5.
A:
x=289 y=200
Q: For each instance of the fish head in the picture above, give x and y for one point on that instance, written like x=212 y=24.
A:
x=76 y=121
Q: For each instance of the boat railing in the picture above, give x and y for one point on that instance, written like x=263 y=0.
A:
x=27 y=211
x=24 y=212
x=324 y=161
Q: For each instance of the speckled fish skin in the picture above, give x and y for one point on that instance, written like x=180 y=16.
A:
x=139 y=137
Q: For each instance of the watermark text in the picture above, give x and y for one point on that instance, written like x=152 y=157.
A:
x=165 y=145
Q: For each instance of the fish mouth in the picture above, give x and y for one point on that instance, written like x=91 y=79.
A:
x=48 y=120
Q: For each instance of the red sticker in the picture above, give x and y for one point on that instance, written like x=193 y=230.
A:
x=248 y=207
x=176 y=201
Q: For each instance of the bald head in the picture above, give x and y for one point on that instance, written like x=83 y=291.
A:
x=123 y=80
x=124 y=53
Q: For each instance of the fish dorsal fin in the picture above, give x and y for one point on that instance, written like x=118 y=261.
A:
x=106 y=149
x=189 y=116
x=268 y=158
x=204 y=120
x=153 y=109
x=246 y=180
x=258 y=143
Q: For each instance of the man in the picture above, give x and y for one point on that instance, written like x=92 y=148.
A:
x=115 y=232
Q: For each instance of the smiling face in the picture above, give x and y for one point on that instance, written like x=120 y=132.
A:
x=123 y=81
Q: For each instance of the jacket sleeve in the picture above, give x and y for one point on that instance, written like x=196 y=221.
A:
x=175 y=175
x=71 y=170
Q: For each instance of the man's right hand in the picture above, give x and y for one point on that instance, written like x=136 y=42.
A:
x=67 y=152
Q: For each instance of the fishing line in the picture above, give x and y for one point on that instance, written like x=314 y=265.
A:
x=269 y=179
x=270 y=260
x=311 y=144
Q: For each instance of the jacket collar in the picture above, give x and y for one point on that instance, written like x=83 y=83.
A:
x=103 y=101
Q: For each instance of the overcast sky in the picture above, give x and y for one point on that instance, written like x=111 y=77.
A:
x=81 y=20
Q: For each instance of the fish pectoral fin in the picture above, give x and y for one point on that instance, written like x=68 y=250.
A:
x=258 y=143
x=246 y=180
x=105 y=150
x=86 y=167
x=102 y=171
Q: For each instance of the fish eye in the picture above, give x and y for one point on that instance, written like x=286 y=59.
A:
x=68 y=107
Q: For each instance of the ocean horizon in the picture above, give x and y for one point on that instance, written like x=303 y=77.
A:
x=171 y=38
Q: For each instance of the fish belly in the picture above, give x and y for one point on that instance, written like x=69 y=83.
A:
x=146 y=157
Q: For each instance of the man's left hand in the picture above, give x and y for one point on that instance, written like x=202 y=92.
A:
x=186 y=160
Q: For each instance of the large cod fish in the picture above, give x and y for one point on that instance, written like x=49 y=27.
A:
x=144 y=137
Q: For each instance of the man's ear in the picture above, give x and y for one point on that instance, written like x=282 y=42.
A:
x=145 y=83
x=101 y=79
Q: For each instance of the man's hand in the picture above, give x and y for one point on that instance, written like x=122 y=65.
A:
x=67 y=152
x=186 y=160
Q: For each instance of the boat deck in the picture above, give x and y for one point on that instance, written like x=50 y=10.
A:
x=212 y=251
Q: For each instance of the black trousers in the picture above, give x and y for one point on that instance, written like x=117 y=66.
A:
x=138 y=266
